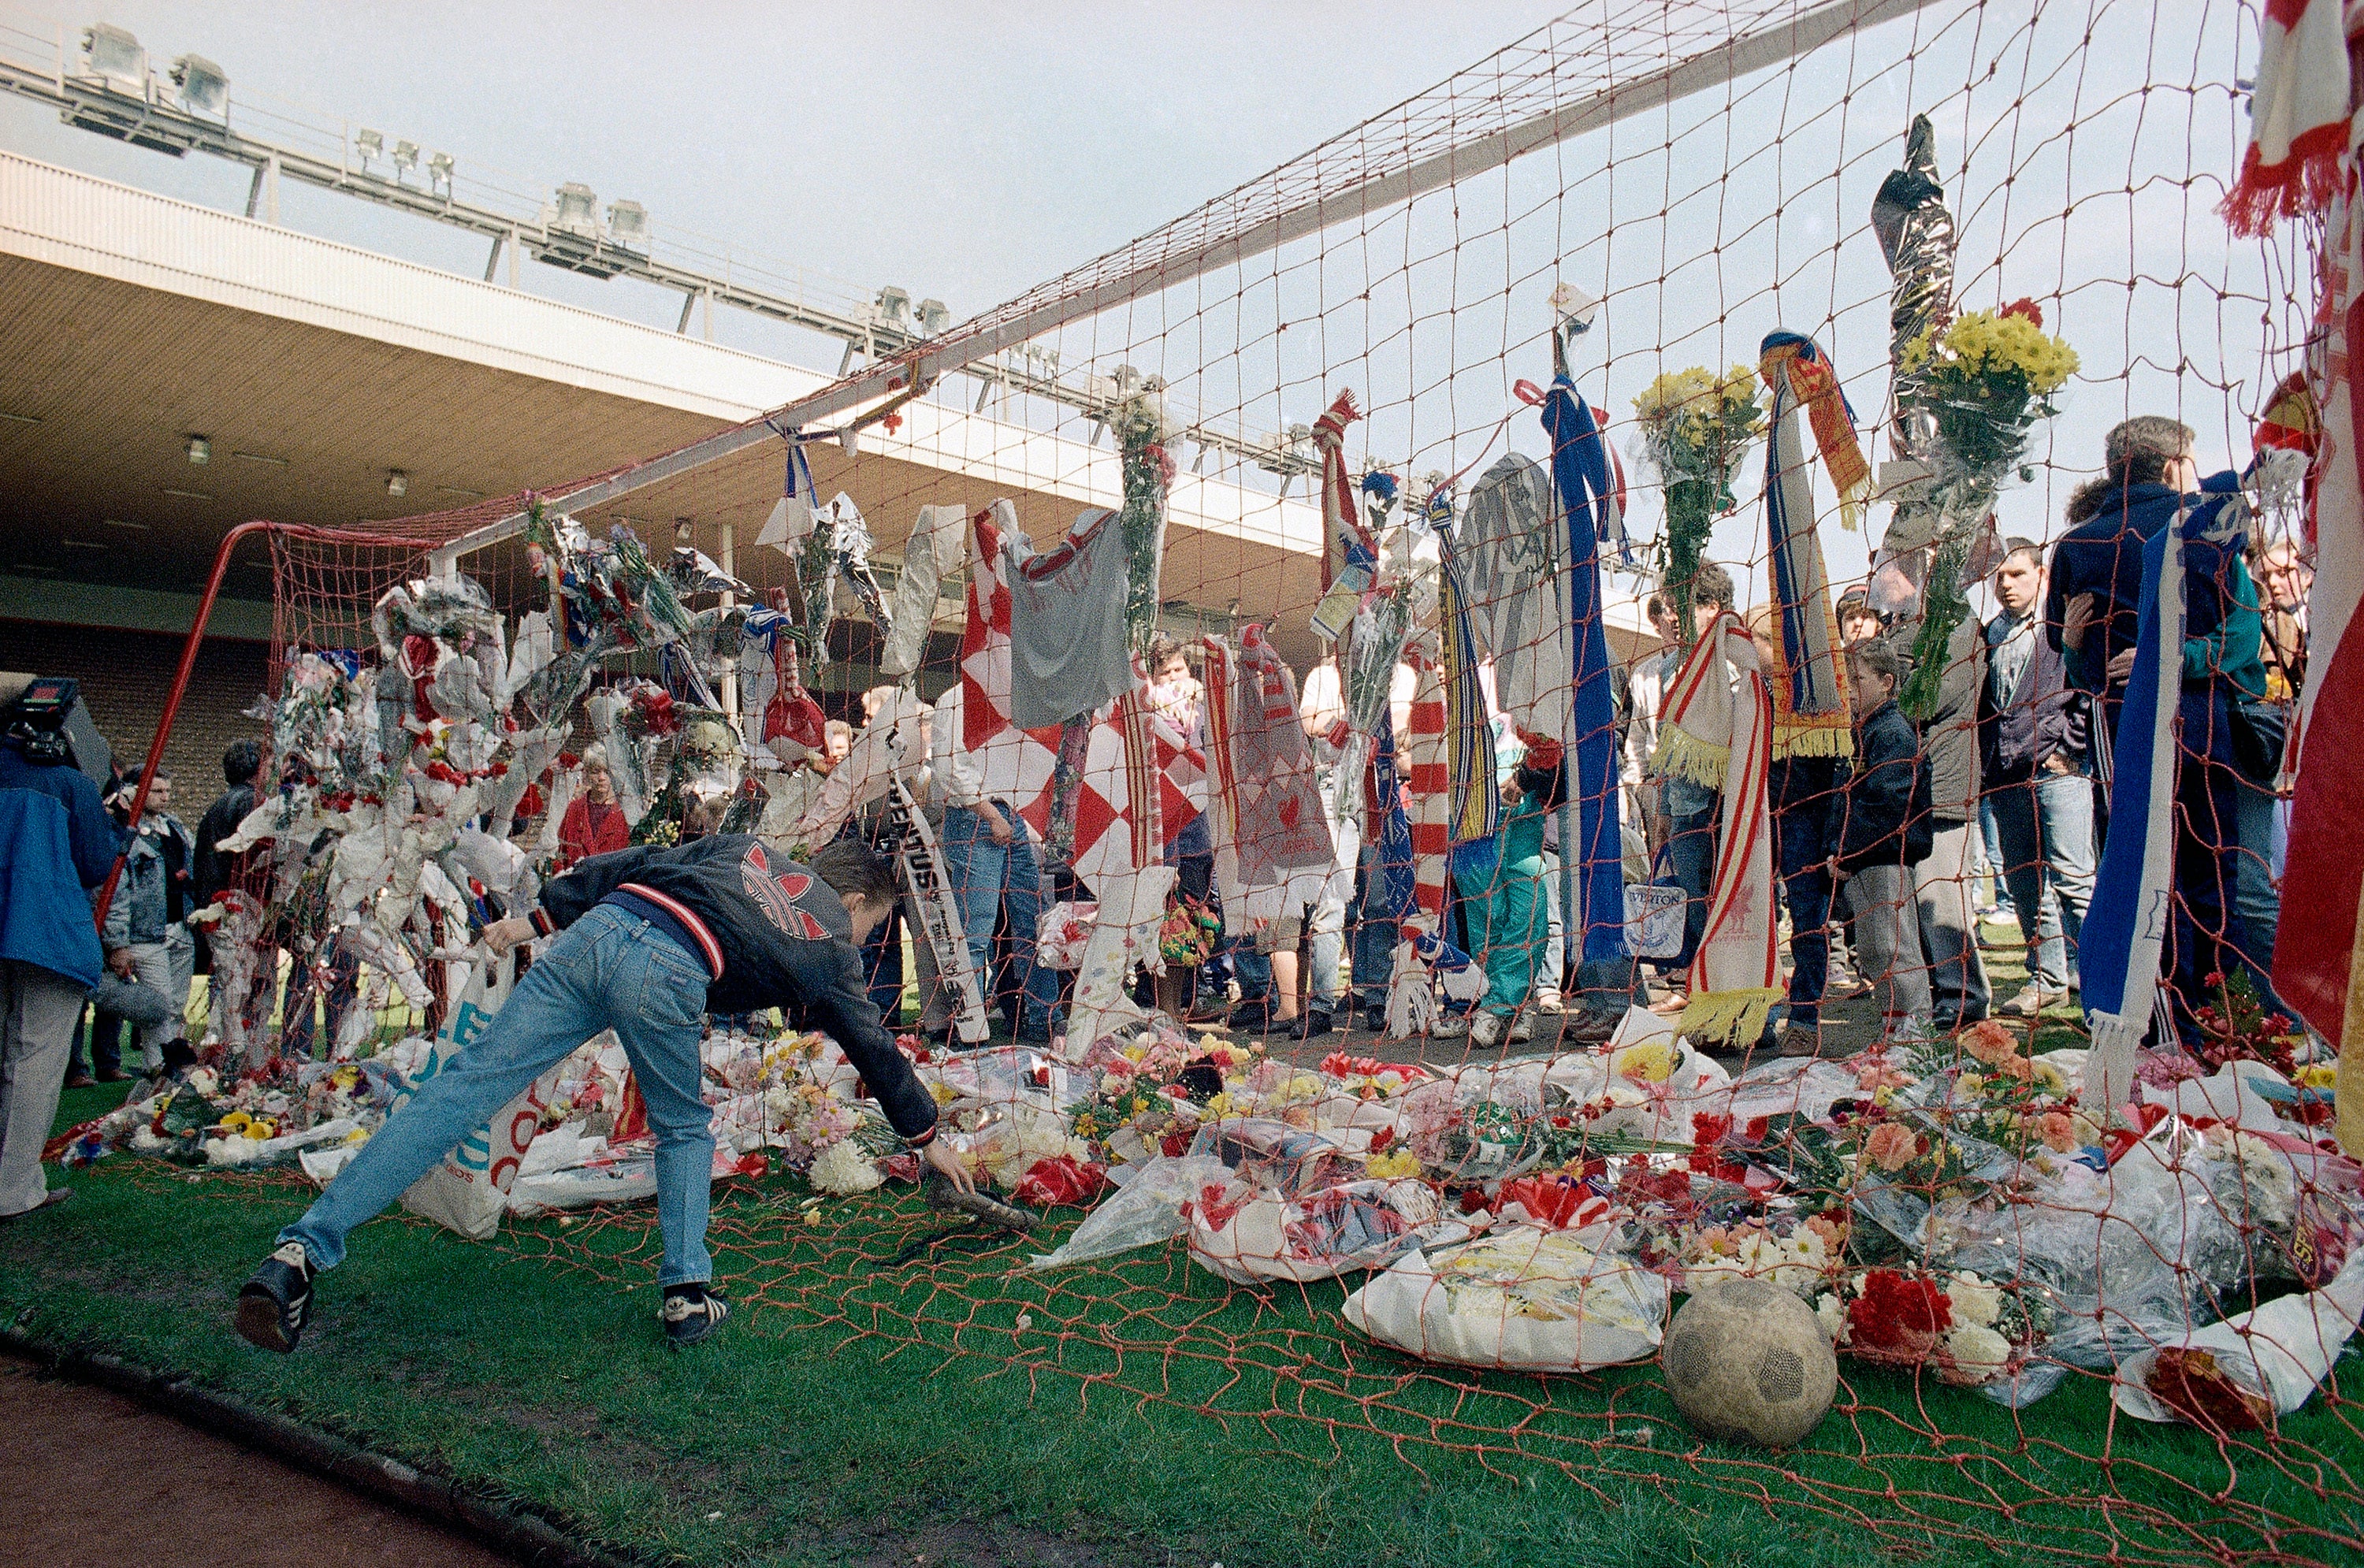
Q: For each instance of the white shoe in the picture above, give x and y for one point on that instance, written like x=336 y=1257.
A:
x=1449 y=1027
x=1486 y=1030
x=1520 y=1029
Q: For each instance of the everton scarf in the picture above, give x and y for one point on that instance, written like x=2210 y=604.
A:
x=1581 y=473
x=1814 y=670
x=2128 y=920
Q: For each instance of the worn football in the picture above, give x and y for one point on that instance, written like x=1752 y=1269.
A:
x=1749 y=1361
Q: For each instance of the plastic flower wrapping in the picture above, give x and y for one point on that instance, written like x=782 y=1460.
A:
x=1696 y=429
x=1985 y=381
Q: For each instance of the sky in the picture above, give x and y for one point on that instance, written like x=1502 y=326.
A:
x=961 y=150
x=968 y=153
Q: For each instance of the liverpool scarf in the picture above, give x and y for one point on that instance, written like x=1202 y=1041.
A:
x=1734 y=978
x=2297 y=119
x=1813 y=672
x=1476 y=799
x=2318 y=956
x=2118 y=953
x=1695 y=716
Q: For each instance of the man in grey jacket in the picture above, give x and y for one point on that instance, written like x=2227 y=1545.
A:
x=1941 y=884
x=147 y=937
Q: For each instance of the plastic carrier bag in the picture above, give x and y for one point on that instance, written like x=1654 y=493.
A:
x=468 y=1191
x=1523 y=1298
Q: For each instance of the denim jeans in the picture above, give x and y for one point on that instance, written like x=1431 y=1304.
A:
x=609 y=970
x=1804 y=844
x=985 y=879
x=2047 y=852
x=2257 y=897
x=1374 y=936
x=1690 y=849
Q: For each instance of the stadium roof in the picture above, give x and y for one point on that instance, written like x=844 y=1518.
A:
x=314 y=371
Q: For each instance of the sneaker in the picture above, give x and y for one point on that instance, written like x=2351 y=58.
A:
x=1313 y=1025
x=690 y=1313
x=1251 y=1018
x=1375 y=1020
x=1550 y=1002
x=1452 y=1026
x=1486 y=1030
x=1520 y=1029
x=1801 y=1039
x=2029 y=1000
x=1589 y=1026
x=276 y=1303
x=80 y=1081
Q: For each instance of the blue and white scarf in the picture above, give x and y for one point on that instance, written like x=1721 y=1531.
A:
x=2134 y=891
x=1593 y=871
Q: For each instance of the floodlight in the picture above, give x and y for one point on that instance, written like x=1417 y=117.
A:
x=933 y=316
x=894 y=305
x=577 y=211
x=397 y=482
x=627 y=224
x=368 y=144
x=115 y=56
x=438 y=171
x=201 y=451
x=204 y=89
x=406 y=156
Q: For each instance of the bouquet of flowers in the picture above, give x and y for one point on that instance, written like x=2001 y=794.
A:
x=1697 y=426
x=2021 y=1104
x=1796 y=1252
x=1142 y=428
x=1973 y=1331
x=1984 y=380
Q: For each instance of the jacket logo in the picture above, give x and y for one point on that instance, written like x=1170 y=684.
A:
x=778 y=895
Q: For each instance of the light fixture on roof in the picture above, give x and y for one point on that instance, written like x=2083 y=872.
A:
x=574 y=210
x=894 y=305
x=933 y=316
x=368 y=144
x=438 y=171
x=20 y=419
x=205 y=90
x=116 y=57
x=405 y=158
x=397 y=482
x=261 y=457
x=627 y=224
x=201 y=451
x=185 y=495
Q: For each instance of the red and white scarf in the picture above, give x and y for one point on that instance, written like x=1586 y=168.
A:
x=1734 y=978
x=2298 y=119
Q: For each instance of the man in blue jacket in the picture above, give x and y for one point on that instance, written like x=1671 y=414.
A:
x=646 y=941
x=2092 y=614
x=56 y=843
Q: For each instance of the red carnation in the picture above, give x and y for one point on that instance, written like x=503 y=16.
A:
x=2027 y=310
x=1899 y=1314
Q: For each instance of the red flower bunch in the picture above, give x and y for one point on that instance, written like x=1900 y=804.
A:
x=1061 y=1179
x=652 y=713
x=1556 y=1203
x=2027 y=309
x=1900 y=1315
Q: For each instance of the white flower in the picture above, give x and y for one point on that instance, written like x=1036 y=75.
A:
x=1832 y=1315
x=842 y=1168
x=1974 y=1301
x=1978 y=1349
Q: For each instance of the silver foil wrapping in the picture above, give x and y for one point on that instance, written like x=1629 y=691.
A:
x=1916 y=237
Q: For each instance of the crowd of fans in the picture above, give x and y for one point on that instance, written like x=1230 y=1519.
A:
x=1994 y=803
